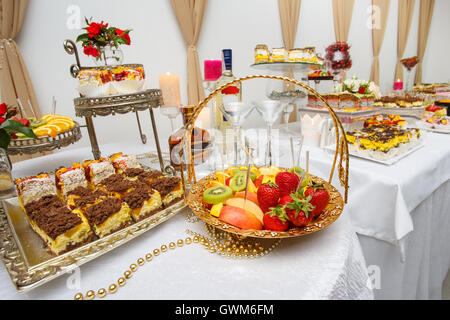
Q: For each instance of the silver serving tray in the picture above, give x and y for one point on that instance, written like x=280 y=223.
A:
x=30 y=265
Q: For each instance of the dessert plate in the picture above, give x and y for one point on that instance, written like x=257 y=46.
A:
x=330 y=215
x=385 y=162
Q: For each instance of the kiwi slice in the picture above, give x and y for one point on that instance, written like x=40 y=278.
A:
x=237 y=183
x=253 y=175
x=217 y=194
x=38 y=123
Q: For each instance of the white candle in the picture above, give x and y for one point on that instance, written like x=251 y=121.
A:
x=169 y=84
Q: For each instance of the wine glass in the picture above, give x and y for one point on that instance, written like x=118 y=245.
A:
x=236 y=113
x=270 y=110
x=171 y=112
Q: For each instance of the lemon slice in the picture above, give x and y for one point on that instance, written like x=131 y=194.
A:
x=44 y=131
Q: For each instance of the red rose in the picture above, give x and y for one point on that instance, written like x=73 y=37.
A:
x=91 y=51
x=94 y=28
x=2 y=120
x=3 y=109
x=361 y=90
x=121 y=33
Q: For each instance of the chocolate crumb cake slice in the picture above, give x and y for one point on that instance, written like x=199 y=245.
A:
x=145 y=176
x=81 y=197
x=108 y=215
x=98 y=170
x=143 y=201
x=61 y=228
x=68 y=179
x=123 y=162
x=170 y=189
x=34 y=188
x=115 y=185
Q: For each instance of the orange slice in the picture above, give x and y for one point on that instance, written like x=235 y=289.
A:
x=221 y=177
x=49 y=117
x=62 y=124
x=44 y=131
x=55 y=128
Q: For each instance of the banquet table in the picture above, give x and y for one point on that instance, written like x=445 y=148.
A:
x=325 y=265
x=400 y=213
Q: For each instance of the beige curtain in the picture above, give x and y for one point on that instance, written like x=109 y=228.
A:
x=190 y=15
x=15 y=82
x=425 y=16
x=342 y=17
x=405 y=13
x=382 y=13
x=289 y=13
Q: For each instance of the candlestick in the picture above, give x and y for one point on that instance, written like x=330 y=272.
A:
x=169 y=84
x=398 y=85
x=213 y=69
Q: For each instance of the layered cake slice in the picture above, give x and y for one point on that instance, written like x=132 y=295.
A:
x=98 y=170
x=123 y=162
x=81 y=197
x=61 y=228
x=34 y=188
x=108 y=215
x=115 y=185
x=144 y=176
x=143 y=201
x=68 y=179
x=170 y=189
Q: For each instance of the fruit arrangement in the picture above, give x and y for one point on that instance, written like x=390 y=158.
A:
x=276 y=199
x=47 y=125
x=320 y=74
x=391 y=120
x=409 y=63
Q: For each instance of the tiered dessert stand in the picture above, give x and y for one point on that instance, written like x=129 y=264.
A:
x=115 y=104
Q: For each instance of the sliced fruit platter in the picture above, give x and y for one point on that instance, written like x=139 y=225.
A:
x=48 y=125
x=278 y=202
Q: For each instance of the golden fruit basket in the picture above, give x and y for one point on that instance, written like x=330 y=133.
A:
x=341 y=159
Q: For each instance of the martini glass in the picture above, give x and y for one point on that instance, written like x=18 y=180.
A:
x=236 y=113
x=280 y=91
x=270 y=110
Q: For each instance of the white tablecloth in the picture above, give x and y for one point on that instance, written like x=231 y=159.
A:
x=325 y=265
x=401 y=215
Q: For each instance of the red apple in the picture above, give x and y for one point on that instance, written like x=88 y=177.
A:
x=240 y=218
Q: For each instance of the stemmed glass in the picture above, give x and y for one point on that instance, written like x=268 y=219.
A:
x=280 y=91
x=171 y=112
x=236 y=113
x=270 y=110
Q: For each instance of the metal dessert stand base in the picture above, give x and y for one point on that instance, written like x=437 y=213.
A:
x=115 y=104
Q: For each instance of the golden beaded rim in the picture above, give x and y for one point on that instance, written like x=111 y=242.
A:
x=330 y=214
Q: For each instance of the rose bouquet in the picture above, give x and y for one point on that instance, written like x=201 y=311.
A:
x=11 y=127
x=358 y=86
x=100 y=35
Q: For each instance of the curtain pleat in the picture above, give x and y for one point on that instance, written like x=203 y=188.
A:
x=289 y=14
x=14 y=78
x=405 y=14
x=425 y=17
x=378 y=36
x=190 y=14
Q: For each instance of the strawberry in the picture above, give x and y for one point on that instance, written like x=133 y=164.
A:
x=268 y=195
x=297 y=209
x=258 y=181
x=288 y=182
x=276 y=219
x=227 y=181
x=319 y=198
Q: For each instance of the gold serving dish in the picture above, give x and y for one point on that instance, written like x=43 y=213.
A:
x=330 y=214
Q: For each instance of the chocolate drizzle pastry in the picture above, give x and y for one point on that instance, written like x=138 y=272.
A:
x=116 y=183
x=98 y=213
x=136 y=198
x=52 y=216
x=165 y=185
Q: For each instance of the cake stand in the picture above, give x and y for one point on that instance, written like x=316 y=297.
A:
x=89 y=107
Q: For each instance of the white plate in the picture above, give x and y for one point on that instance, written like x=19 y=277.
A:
x=385 y=162
x=425 y=126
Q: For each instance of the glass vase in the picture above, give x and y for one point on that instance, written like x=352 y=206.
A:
x=7 y=189
x=109 y=56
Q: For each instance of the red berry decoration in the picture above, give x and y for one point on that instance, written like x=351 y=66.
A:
x=288 y=182
x=297 y=209
x=268 y=195
x=319 y=198
x=276 y=219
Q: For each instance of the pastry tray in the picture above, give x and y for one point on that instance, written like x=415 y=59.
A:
x=30 y=265
x=388 y=162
